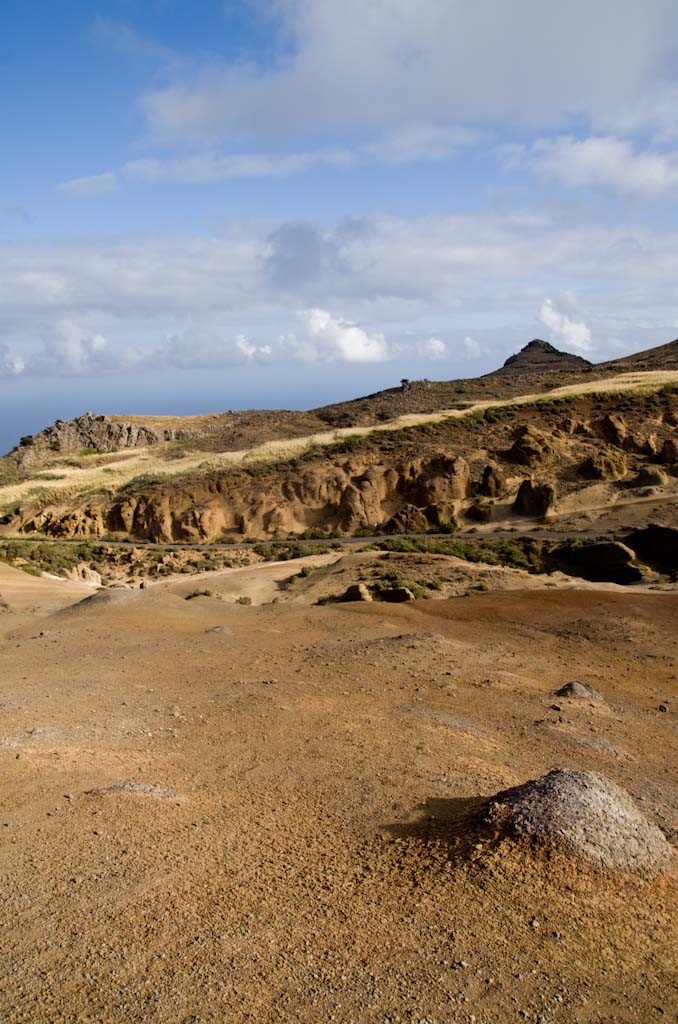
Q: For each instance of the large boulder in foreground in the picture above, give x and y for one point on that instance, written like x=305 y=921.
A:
x=583 y=815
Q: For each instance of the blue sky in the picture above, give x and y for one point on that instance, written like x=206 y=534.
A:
x=284 y=202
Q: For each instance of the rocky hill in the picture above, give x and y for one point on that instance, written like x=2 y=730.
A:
x=528 y=460
x=662 y=357
x=503 y=457
x=539 y=356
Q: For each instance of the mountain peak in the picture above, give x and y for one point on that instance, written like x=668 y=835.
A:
x=540 y=355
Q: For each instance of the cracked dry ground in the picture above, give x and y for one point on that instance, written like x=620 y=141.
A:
x=250 y=824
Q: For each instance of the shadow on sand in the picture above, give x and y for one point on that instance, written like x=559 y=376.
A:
x=455 y=822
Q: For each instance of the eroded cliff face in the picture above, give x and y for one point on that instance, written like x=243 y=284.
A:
x=95 y=432
x=344 y=496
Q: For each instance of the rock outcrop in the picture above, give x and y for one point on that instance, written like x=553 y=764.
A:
x=600 y=561
x=608 y=464
x=357 y=592
x=539 y=356
x=96 y=433
x=657 y=545
x=342 y=497
x=530 y=447
x=534 y=499
x=493 y=484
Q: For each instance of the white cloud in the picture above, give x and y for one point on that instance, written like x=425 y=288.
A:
x=11 y=365
x=95 y=185
x=472 y=348
x=327 y=339
x=470 y=273
x=70 y=350
x=409 y=144
x=434 y=349
x=206 y=347
x=572 y=334
x=445 y=62
x=604 y=161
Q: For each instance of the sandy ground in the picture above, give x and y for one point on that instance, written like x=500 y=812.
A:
x=21 y=592
x=211 y=812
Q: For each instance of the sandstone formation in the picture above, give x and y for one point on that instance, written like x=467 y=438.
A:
x=534 y=499
x=604 y=465
x=493 y=484
x=530 y=447
x=342 y=497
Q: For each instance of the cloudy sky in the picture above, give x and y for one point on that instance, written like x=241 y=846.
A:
x=247 y=203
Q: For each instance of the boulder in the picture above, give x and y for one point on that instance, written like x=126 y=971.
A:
x=479 y=512
x=669 y=452
x=657 y=545
x=604 y=465
x=583 y=815
x=357 y=592
x=493 y=484
x=534 y=499
x=577 y=690
x=530 y=446
x=396 y=595
x=598 y=561
x=410 y=519
x=650 y=476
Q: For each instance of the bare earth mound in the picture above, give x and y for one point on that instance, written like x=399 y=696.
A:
x=584 y=815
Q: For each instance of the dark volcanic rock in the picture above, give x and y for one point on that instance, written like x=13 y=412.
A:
x=396 y=595
x=600 y=561
x=669 y=452
x=357 y=592
x=657 y=545
x=650 y=476
x=538 y=356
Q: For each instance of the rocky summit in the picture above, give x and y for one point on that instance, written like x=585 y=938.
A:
x=538 y=356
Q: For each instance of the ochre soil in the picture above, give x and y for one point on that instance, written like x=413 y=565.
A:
x=257 y=824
